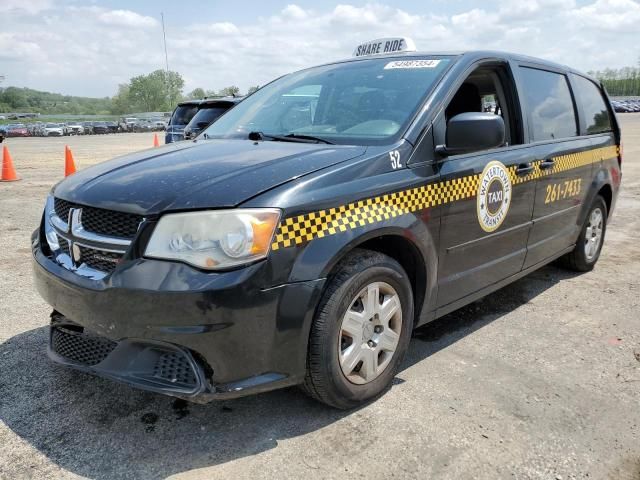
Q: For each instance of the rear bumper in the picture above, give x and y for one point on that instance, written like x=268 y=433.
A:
x=235 y=337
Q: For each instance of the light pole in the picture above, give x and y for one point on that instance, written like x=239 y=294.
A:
x=166 y=62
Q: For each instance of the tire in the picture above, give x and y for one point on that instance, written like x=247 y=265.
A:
x=587 y=250
x=333 y=351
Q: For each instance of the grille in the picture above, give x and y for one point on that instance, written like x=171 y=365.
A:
x=80 y=347
x=101 y=221
x=64 y=245
x=62 y=208
x=99 y=259
x=175 y=368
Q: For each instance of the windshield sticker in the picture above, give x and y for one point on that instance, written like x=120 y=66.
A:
x=412 y=64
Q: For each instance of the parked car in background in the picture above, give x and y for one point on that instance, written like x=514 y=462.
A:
x=142 y=125
x=113 y=127
x=33 y=129
x=208 y=112
x=17 y=130
x=53 y=130
x=88 y=128
x=100 y=128
x=180 y=118
x=158 y=125
x=126 y=124
x=626 y=105
x=75 y=128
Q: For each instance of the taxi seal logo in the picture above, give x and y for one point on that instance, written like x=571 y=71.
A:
x=494 y=196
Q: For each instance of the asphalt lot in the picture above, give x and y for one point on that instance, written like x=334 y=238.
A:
x=540 y=380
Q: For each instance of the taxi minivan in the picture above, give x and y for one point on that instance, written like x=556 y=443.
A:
x=303 y=235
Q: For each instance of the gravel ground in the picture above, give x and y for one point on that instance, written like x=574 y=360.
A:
x=539 y=380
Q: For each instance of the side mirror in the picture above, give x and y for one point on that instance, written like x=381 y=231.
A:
x=473 y=131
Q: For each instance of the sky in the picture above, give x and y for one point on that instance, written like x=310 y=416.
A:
x=87 y=48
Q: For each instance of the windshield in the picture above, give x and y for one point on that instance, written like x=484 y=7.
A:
x=51 y=125
x=364 y=102
x=183 y=114
x=207 y=115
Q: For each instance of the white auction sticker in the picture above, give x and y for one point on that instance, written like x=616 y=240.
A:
x=412 y=64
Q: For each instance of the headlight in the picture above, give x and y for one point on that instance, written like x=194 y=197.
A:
x=214 y=240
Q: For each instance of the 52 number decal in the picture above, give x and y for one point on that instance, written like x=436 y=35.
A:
x=560 y=191
x=394 y=156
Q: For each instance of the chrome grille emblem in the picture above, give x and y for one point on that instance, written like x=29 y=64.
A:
x=84 y=252
x=74 y=226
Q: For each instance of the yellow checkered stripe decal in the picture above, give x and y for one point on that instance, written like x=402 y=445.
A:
x=300 y=229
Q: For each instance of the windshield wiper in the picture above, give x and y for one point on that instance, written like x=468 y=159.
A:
x=308 y=137
x=290 y=137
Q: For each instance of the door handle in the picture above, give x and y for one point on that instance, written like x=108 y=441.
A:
x=524 y=169
x=548 y=163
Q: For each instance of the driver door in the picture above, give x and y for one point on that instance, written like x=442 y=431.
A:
x=488 y=195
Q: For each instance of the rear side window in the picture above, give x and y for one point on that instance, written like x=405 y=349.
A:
x=183 y=114
x=596 y=113
x=549 y=103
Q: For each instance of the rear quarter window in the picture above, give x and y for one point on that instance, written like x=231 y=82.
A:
x=549 y=104
x=596 y=114
x=183 y=114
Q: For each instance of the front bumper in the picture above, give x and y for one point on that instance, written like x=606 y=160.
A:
x=228 y=333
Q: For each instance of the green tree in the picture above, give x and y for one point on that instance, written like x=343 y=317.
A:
x=253 y=89
x=121 y=102
x=15 y=97
x=229 y=91
x=157 y=91
x=196 y=93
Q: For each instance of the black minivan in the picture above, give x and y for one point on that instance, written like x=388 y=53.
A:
x=208 y=112
x=180 y=117
x=303 y=236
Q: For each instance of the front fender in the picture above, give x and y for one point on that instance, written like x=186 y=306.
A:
x=318 y=258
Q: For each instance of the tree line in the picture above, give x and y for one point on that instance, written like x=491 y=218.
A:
x=158 y=91
x=619 y=82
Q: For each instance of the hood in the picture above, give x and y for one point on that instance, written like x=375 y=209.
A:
x=196 y=175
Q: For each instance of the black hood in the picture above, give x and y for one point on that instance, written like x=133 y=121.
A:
x=201 y=174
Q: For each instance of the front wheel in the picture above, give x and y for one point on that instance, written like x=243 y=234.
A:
x=361 y=331
x=587 y=250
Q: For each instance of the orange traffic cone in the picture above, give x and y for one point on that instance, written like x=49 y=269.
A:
x=69 y=164
x=156 y=143
x=8 y=172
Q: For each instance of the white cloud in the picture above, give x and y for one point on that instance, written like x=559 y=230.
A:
x=531 y=10
x=614 y=15
x=88 y=50
x=31 y=7
x=126 y=18
x=294 y=12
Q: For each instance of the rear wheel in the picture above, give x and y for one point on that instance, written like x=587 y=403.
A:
x=361 y=331
x=589 y=245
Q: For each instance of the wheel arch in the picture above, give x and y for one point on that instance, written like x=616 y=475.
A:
x=606 y=192
x=416 y=255
x=602 y=184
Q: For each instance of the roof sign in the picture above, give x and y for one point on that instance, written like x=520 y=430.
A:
x=385 y=45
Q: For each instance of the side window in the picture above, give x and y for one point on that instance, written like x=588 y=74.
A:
x=549 y=104
x=595 y=110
